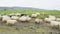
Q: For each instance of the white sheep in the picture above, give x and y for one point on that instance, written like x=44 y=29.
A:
x=52 y=17
x=55 y=24
x=15 y=17
x=37 y=20
x=5 y=18
x=28 y=18
x=23 y=18
x=12 y=22
x=47 y=20
x=34 y=15
x=58 y=19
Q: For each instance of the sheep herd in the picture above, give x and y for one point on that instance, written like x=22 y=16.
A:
x=13 y=18
x=53 y=21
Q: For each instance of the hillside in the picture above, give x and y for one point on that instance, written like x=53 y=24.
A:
x=18 y=8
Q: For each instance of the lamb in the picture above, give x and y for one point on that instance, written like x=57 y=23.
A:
x=11 y=22
x=28 y=18
x=34 y=15
x=15 y=17
x=58 y=19
x=37 y=21
x=52 y=17
x=55 y=24
x=47 y=20
x=24 y=18
x=5 y=18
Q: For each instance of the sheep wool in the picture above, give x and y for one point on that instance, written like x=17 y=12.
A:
x=52 y=17
x=11 y=21
x=54 y=23
x=5 y=18
x=14 y=17
x=23 y=18
x=34 y=15
x=37 y=20
x=47 y=19
x=58 y=19
x=28 y=18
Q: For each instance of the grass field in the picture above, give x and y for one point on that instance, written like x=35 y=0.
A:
x=24 y=28
x=29 y=12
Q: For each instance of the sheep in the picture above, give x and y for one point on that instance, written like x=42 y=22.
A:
x=25 y=18
x=28 y=18
x=58 y=19
x=55 y=24
x=34 y=15
x=15 y=17
x=47 y=20
x=5 y=18
x=37 y=21
x=52 y=17
x=11 y=22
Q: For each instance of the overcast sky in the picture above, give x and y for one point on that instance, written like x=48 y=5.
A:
x=42 y=4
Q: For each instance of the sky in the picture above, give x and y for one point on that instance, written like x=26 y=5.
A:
x=41 y=4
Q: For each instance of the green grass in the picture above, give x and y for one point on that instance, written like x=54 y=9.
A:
x=9 y=30
x=29 y=12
